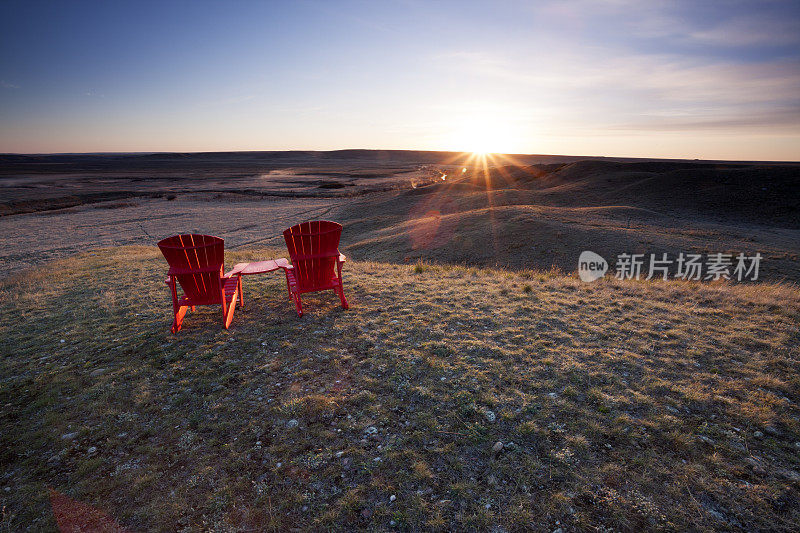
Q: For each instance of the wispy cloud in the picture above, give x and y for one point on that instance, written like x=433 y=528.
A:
x=726 y=24
x=5 y=85
x=669 y=76
x=754 y=30
x=780 y=120
x=607 y=88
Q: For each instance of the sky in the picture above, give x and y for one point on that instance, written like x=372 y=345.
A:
x=708 y=80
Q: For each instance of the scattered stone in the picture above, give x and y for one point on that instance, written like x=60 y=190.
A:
x=371 y=430
x=707 y=440
x=305 y=508
x=738 y=446
x=792 y=475
x=672 y=410
x=97 y=372
x=756 y=465
x=772 y=430
x=91 y=450
x=559 y=530
x=491 y=480
x=490 y=416
x=498 y=447
x=392 y=523
x=292 y=423
x=552 y=395
x=69 y=436
x=392 y=498
x=511 y=446
x=797 y=444
x=62 y=341
x=278 y=465
x=758 y=434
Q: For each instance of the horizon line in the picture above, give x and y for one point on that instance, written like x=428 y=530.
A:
x=198 y=152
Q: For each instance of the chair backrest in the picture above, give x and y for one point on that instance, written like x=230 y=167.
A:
x=314 y=247
x=196 y=261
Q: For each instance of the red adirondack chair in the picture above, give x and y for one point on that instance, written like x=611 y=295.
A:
x=196 y=263
x=316 y=261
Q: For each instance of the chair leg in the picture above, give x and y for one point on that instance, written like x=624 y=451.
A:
x=340 y=290
x=340 y=287
x=298 y=304
x=227 y=314
x=178 y=322
x=193 y=309
x=241 y=293
x=288 y=289
x=178 y=310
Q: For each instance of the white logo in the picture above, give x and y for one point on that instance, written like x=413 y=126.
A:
x=591 y=266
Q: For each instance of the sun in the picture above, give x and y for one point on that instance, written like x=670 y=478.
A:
x=482 y=136
x=485 y=139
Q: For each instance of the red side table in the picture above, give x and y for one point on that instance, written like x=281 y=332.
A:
x=258 y=267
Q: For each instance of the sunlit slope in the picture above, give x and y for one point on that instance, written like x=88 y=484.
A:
x=761 y=194
x=538 y=217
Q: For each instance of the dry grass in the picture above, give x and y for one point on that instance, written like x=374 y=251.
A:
x=621 y=405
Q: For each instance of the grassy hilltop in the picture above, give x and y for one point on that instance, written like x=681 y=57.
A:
x=619 y=405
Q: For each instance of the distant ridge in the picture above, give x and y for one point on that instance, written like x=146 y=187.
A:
x=15 y=163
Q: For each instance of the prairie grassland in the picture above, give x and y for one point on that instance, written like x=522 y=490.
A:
x=619 y=405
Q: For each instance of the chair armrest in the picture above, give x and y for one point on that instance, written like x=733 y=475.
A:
x=236 y=269
x=168 y=280
x=342 y=258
